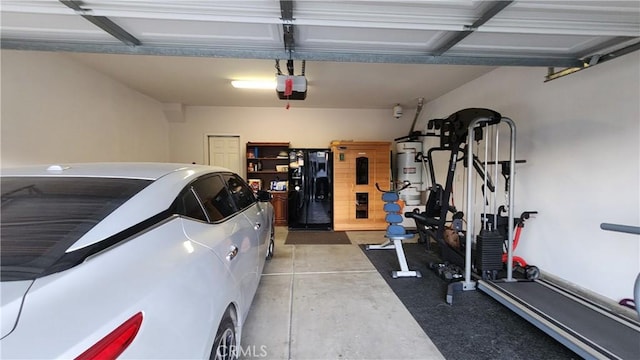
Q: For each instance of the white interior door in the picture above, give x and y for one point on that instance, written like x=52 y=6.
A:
x=225 y=151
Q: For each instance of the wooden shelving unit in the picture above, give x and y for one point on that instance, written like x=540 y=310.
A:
x=267 y=167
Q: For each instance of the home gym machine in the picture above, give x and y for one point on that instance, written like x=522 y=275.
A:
x=456 y=134
x=588 y=328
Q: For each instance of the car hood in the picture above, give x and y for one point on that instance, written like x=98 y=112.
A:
x=12 y=294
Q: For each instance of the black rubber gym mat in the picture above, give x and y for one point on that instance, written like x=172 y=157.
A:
x=475 y=327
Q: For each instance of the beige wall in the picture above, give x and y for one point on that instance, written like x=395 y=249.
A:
x=301 y=127
x=580 y=135
x=55 y=110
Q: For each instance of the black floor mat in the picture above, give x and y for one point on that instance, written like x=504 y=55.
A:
x=305 y=237
x=475 y=326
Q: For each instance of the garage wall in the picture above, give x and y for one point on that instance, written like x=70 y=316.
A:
x=301 y=127
x=55 y=110
x=580 y=135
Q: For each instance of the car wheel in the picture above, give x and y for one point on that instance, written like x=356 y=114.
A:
x=272 y=243
x=225 y=342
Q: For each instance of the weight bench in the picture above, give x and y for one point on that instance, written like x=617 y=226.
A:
x=395 y=235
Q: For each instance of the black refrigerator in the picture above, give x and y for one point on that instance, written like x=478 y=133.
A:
x=310 y=189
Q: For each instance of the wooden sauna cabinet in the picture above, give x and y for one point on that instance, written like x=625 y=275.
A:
x=357 y=167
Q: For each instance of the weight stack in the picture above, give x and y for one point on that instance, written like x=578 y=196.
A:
x=489 y=252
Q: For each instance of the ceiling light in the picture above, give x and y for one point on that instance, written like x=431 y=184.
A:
x=254 y=84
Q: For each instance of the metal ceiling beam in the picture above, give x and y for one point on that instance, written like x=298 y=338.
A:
x=286 y=9
x=103 y=23
x=494 y=9
x=607 y=45
x=288 y=29
x=193 y=51
x=288 y=37
x=591 y=62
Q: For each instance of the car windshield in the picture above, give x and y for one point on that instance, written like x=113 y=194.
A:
x=43 y=216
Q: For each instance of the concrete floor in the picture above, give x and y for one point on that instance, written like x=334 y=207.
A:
x=329 y=302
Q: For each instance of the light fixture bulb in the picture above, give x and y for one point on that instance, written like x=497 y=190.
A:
x=254 y=84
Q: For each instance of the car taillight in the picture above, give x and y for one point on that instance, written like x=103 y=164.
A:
x=112 y=345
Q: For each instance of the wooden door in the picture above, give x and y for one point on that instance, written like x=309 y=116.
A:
x=225 y=151
x=343 y=180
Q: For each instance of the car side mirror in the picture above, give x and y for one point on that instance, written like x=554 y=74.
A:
x=264 y=195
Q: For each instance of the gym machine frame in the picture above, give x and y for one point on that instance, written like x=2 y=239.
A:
x=453 y=134
x=456 y=133
x=468 y=283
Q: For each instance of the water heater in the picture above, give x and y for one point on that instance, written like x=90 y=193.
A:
x=408 y=168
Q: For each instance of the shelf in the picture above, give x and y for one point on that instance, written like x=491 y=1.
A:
x=267 y=172
x=268 y=144
x=266 y=154
x=268 y=162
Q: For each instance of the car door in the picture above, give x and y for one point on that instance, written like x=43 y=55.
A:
x=246 y=201
x=227 y=232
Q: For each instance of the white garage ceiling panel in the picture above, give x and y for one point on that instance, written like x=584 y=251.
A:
x=459 y=40
x=315 y=38
x=211 y=10
x=526 y=44
x=614 y=18
x=444 y=31
x=206 y=33
x=423 y=15
x=52 y=27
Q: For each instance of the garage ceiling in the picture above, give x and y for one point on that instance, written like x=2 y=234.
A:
x=359 y=54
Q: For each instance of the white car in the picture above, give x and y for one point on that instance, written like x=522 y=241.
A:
x=130 y=260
